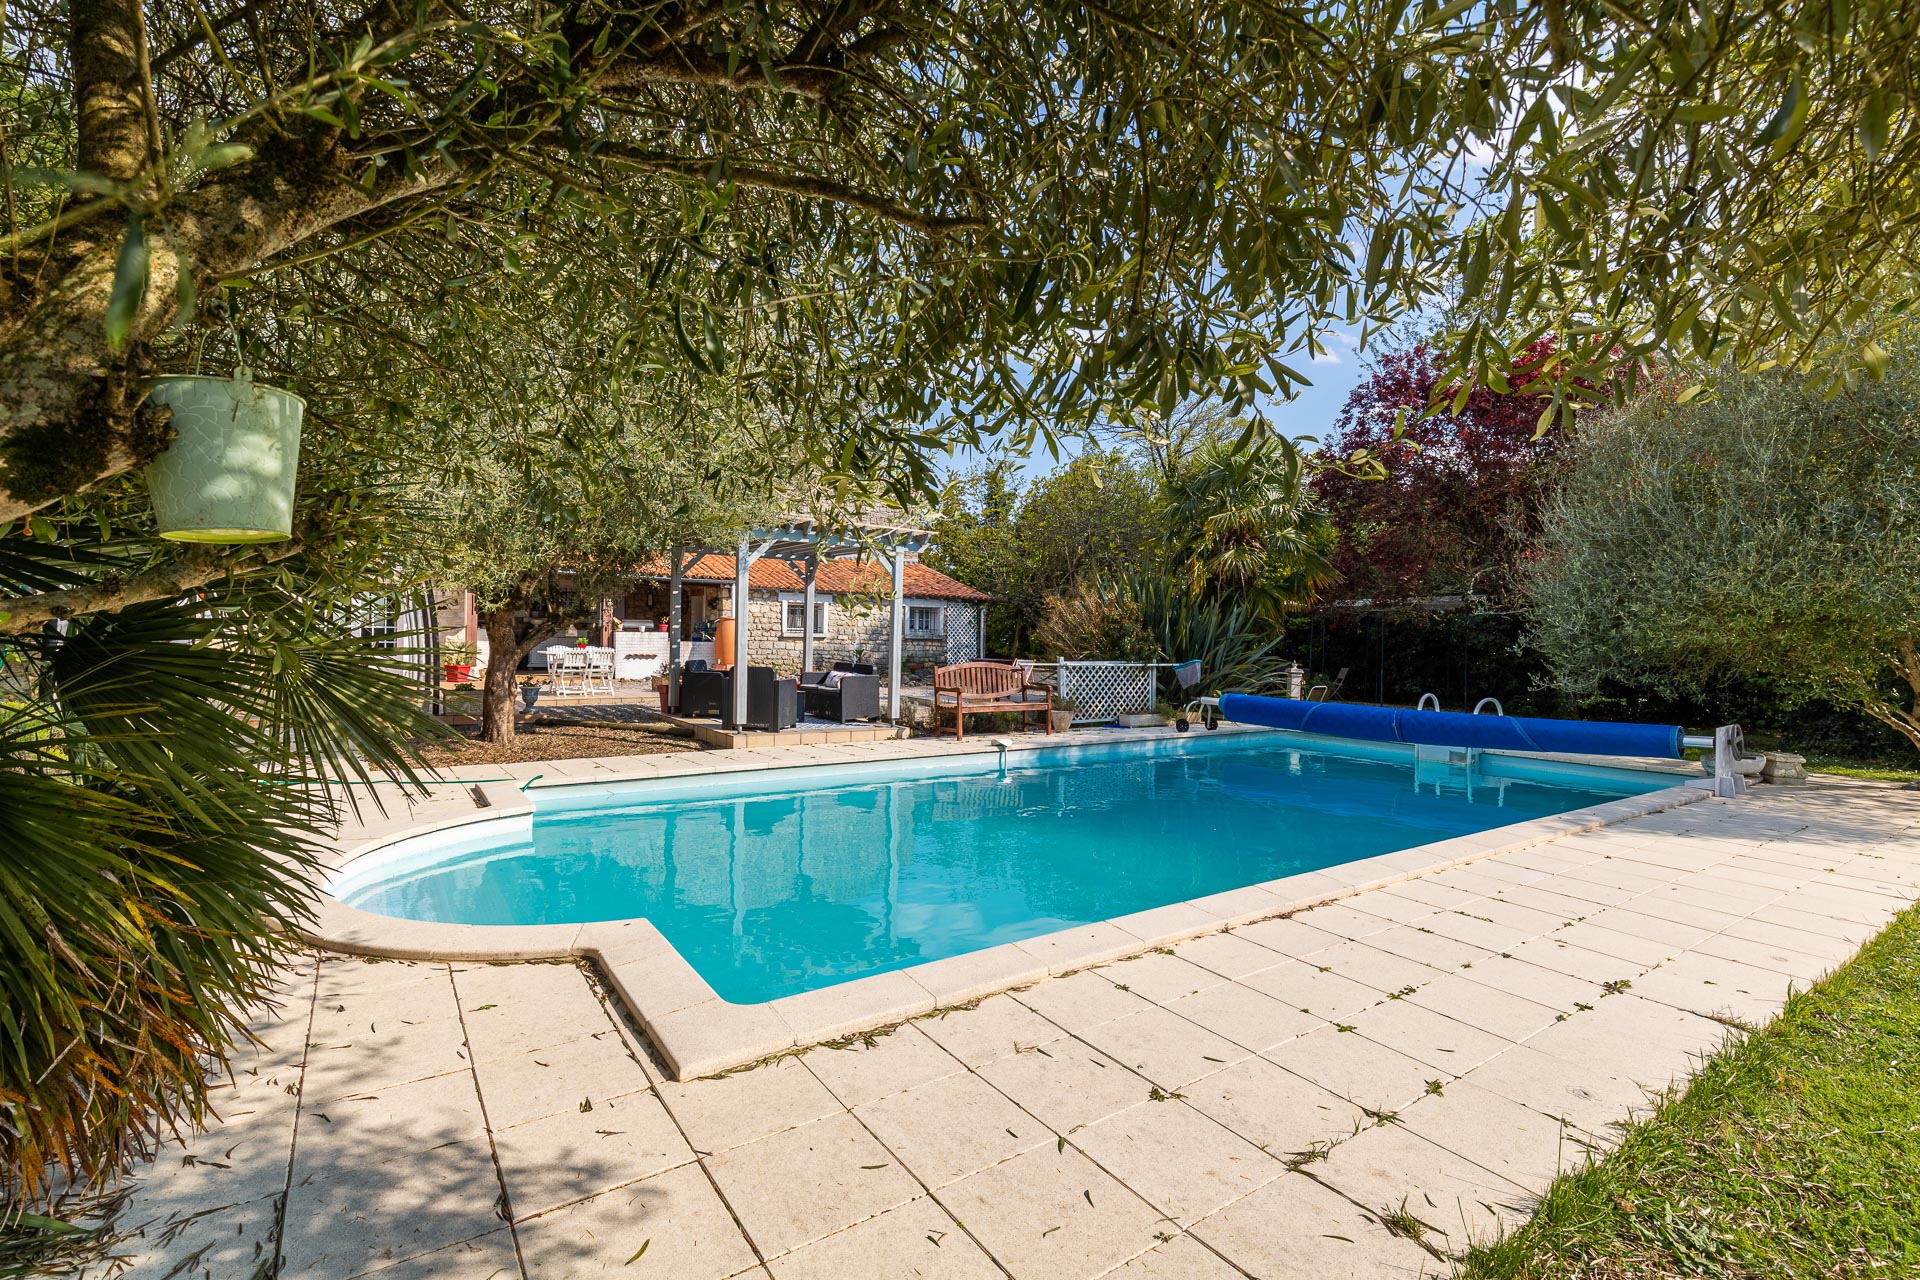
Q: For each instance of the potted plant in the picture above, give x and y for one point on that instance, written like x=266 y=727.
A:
x=228 y=474
x=458 y=663
x=1063 y=709
x=661 y=684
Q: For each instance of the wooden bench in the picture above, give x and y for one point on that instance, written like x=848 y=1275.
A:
x=976 y=688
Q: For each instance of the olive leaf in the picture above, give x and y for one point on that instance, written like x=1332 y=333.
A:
x=129 y=284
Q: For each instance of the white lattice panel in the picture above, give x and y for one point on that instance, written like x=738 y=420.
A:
x=963 y=634
x=1103 y=690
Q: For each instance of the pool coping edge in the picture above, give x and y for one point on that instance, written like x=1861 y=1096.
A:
x=699 y=1034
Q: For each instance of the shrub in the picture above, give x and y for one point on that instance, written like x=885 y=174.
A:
x=1765 y=535
x=1237 y=648
x=1085 y=622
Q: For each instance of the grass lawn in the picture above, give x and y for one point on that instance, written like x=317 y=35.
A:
x=1848 y=769
x=1795 y=1153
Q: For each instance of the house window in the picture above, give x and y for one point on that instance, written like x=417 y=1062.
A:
x=793 y=615
x=923 y=621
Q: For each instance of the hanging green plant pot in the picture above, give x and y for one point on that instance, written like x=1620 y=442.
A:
x=228 y=475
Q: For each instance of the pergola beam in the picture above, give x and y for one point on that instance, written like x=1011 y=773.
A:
x=673 y=628
x=806 y=541
x=806 y=624
x=742 y=563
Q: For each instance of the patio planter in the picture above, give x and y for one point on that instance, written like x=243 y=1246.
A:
x=1062 y=720
x=457 y=672
x=228 y=476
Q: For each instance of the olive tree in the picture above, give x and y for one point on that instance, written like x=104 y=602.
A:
x=990 y=214
x=1768 y=533
x=552 y=531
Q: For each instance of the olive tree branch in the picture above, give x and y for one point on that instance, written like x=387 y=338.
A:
x=698 y=168
x=166 y=581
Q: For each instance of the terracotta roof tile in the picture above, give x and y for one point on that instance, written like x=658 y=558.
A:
x=836 y=577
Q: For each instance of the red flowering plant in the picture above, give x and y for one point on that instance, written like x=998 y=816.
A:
x=1436 y=502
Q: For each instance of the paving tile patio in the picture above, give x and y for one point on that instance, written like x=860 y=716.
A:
x=1372 y=1076
x=1249 y=1019
x=871 y=1070
x=918 y=1240
x=1274 y=1109
x=444 y=1121
x=1296 y=1227
x=997 y=1027
x=1164 y=1047
x=948 y=1128
x=1177 y=1159
x=804 y=1184
x=1181 y=1258
x=1390 y=1168
x=573 y=1154
x=1066 y=1084
x=677 y=1217
x=1053 y=1212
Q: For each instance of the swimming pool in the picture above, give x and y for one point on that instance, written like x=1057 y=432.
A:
x=787 y=881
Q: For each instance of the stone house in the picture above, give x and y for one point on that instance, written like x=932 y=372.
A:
x=942 y=616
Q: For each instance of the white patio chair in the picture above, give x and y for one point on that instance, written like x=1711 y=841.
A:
x=599 y=670
x=569 y=667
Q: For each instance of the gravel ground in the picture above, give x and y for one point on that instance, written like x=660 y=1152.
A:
x=571 y=740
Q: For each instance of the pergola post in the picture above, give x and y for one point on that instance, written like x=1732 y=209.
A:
x=742 y=561
x=673 y=628
x=806 y=626
x=980 y=616
x=899 y=632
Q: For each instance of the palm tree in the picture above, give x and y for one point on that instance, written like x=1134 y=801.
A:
x=168 y=770
x=1244 y=523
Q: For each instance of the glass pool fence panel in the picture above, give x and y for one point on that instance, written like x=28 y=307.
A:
x=1103 y=691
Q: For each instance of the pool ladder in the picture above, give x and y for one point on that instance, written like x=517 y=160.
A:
x=1479 y=708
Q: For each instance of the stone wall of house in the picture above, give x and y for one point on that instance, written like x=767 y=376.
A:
x=850 y=637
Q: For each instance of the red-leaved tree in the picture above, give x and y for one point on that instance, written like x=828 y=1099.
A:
x=1459 y=504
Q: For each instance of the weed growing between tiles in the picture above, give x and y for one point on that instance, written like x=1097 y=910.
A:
x=1794 y=1152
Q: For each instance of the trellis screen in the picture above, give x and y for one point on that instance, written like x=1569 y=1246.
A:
x=962 y=633
x=1104 y=690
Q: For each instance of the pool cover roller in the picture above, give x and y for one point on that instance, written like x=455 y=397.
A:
x=1455 y=728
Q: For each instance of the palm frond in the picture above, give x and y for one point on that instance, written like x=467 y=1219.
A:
x=160 y=804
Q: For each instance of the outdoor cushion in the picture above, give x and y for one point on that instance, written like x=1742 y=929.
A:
x=833 y=679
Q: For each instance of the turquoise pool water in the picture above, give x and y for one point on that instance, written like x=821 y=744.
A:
x=768 y=893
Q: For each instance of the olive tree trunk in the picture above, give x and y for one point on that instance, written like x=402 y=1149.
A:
x=503 y=658
x=509 y=640
x=1905 y=721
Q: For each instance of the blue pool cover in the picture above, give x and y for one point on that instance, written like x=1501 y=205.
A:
x=1455 y=728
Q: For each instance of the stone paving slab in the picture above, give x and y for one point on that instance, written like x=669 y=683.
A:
x=445 y=1121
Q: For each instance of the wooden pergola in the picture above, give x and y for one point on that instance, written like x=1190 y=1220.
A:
x=802 y=544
